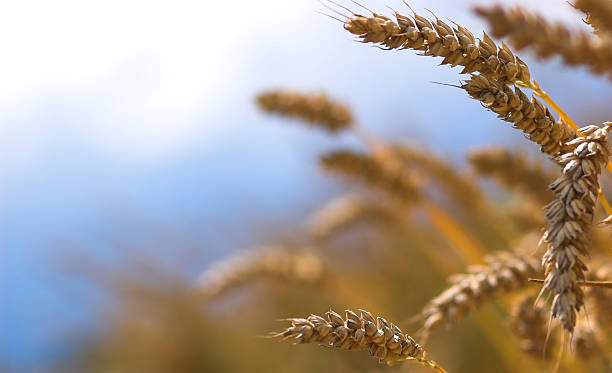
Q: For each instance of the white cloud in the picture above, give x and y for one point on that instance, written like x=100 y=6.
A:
x=143 y=68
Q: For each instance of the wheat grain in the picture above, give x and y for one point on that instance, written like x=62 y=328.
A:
x=569 y=216
x=512 y=169
x=457 y=45
x=301 y=266
x=372 y=171
x=530 y=116
x=504 y=272
x=381 y=338
x=529 y=30
x=316 y=109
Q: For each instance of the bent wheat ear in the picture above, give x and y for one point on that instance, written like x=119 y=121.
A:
x=301 y=266
x=525 y=29
x=457 y=45
x=529 y=323
x=599 y=14
x=504 y=272
x=530 y=116
x=513 y=171
x=379 y=337
x=316 y=109
x=569 y=216
x=373 y=172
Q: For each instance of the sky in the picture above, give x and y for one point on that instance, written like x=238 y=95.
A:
x=129 y=128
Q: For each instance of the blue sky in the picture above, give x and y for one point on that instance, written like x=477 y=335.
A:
x=129 y=126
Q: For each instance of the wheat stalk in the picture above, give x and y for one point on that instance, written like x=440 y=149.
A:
x=570 y=216
x=379 y=337
x=601 y=299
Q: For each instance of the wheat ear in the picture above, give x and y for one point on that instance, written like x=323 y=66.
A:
x=530 y=116
x=569 y=216
x=300 y=266
x=347 y=211
x=457 y=45
x=316 y=109
x=372 y=171
x=599 y=14
x=525 y=29
x=381 y=338
x=513 y=170
x=529 y=323
x=460 y=187
x=503 y=272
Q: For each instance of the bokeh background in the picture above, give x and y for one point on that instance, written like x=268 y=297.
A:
x=133 y=148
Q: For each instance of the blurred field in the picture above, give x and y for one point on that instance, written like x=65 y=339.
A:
x=155 y=219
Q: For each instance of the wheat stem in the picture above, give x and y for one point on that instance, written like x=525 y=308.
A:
x=591 y=284
x=471 y=250
x=567 y=119
x=544 y=96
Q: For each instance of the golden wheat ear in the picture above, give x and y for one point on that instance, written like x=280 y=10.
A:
x=514 y=171
x=348 y=211
x=272 y=262
x=457 y=46
x=504 y=272
x=570 y=215
x=316 y=109
x=530 y=116
x=525 y=29
x=362 y=331
x=529 y=323
x=374 y=172
x=598 y=14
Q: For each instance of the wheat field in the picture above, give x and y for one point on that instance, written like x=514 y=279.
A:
x=501 y=262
